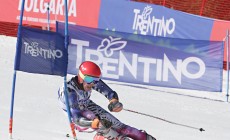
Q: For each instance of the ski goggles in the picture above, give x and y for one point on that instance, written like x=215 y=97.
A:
x=89 y=79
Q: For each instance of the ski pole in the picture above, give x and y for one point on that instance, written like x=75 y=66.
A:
x=200 y=129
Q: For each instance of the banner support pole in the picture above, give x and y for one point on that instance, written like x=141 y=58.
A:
x=15 y=72
x=48 y=16
x=202 y=7
x=72 y=125
x=227 y=45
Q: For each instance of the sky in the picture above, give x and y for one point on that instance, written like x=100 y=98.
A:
x=38 y=115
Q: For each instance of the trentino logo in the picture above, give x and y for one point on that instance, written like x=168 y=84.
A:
x=34 y=50
x=108 y=46
x=126 y=62
x=145 y=24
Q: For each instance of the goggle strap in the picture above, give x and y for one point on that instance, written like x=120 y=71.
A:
x=81 y=75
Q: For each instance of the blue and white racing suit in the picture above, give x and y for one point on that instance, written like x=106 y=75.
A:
x=82 y=107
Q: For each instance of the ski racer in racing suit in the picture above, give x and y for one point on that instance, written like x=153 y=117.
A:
x=86 y=113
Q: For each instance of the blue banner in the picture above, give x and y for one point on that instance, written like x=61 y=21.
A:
x=158 y=61
x=154 y=20
x=41 y=52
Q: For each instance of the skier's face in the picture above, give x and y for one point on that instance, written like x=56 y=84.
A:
x=88 y=87
x=88 y=81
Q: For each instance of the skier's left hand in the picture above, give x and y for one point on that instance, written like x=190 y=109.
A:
x=115 y=105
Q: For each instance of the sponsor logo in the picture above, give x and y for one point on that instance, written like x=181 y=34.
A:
x=144 y=23
x=83 y=68
x=56 y=7
x=34 y=50
x=116 y=66
x=108 y=46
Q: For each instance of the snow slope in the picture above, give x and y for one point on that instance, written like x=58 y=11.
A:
x=37 y=115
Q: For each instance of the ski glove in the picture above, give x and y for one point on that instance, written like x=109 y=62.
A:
x=115 y=105
x=95 y=123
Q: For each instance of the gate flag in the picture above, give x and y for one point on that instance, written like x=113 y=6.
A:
x=41 y=52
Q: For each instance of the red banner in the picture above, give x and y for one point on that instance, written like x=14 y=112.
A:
x=219 y=32
x=80 y=12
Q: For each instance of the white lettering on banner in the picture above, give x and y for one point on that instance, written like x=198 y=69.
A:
x=147 y=62
x=157 y=27
x=35 y=51
x=80 y=44
x=131 y=67
x=56 y=7
x=115 y=67
x=197 y=61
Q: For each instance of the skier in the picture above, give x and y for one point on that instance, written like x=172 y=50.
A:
x=86 y=113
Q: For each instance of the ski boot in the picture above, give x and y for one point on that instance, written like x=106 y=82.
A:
x=112 y=135
x=148 y=137
x=105 y=132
